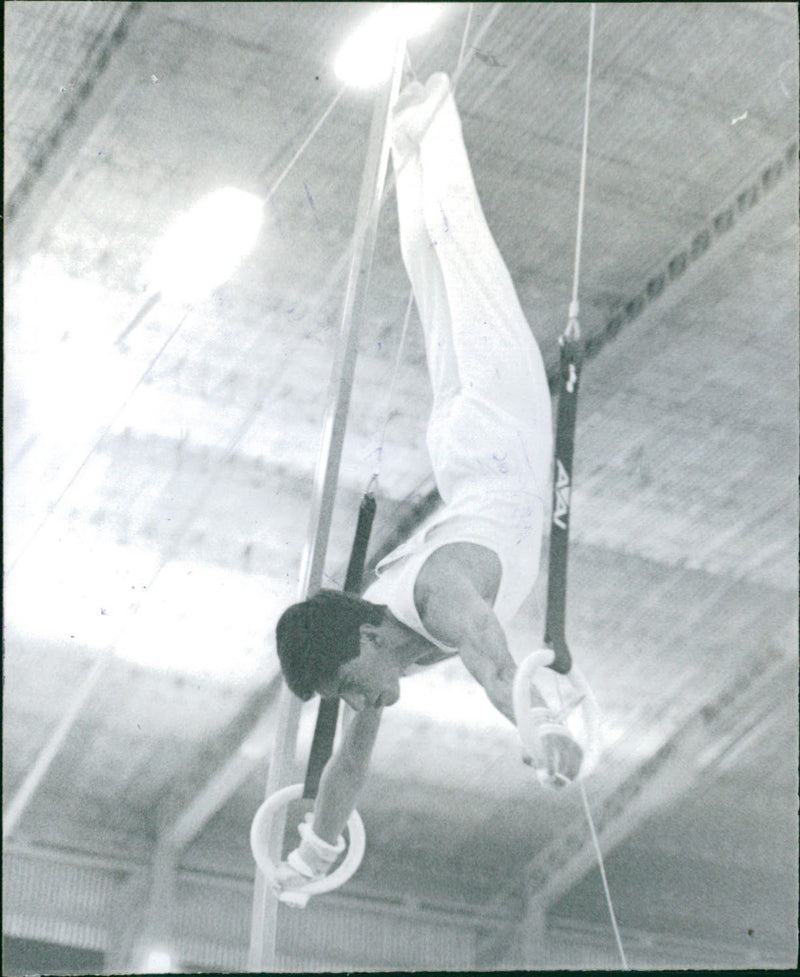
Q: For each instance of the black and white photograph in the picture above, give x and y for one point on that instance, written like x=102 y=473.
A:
x=400 y=487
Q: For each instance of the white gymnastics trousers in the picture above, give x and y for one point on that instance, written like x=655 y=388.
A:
x=490 y=431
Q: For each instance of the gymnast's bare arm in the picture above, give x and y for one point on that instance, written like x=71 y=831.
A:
x=452 y=596
x=344 y=775
x=340 y=785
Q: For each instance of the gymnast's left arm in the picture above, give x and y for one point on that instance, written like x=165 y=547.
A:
x=454 y=612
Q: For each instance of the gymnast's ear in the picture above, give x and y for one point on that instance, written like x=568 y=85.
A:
x=372 y=632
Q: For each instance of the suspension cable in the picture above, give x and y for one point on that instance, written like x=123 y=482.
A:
x=571 y=338
x=573 y=330
x=290 y=165
x=463 y=49
x=601 y=866
x=487 y=22
x=387 y=412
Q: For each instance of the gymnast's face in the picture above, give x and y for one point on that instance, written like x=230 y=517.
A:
x=371 y=680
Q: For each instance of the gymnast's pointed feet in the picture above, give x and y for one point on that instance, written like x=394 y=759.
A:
x=415 y=109
x=412 y=94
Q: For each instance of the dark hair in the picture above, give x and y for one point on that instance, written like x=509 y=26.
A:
x=318 y=635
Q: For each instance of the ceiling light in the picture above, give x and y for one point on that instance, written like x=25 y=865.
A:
x=365 y=59
x=203 y=247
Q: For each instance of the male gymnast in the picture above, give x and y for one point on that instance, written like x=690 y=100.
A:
x=449 y=589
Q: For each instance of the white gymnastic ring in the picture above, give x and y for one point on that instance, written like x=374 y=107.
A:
x=522 y=683
x=259 y=844
x=590 y=710
x=524 y=674
x=521 y=693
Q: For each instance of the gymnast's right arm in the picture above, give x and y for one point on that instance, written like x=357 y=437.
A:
x=340 y=785
x=344 y=775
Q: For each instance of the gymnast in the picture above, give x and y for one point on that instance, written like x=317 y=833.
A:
x=450 y=588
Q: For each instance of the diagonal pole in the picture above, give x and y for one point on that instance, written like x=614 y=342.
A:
x=265 y=904
x=33 y=778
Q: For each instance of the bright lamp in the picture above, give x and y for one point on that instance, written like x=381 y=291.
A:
x=203 y=247
x=365 y=59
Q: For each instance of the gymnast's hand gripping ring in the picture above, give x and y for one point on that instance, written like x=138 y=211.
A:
x=260 y=831
x=586 y=707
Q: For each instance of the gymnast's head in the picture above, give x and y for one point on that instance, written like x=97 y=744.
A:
x=328 y=645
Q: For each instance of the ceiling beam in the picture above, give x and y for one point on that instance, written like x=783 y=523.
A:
x=28 y=211
x=44 y=759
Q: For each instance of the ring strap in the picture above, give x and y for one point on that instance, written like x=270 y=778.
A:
x=328 y=712
x=554 y=633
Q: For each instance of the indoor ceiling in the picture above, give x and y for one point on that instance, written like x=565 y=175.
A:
x=160 y=455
